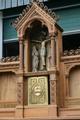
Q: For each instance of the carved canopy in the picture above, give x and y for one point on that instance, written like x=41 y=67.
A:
x=35 y=11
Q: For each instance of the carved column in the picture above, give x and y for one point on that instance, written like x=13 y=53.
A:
x=20 y=90
x=21 y=52
x=53 y=50
x=53 y=86
x=20 y=99
x=19 y=107
x=53 y=75
x=26 y=55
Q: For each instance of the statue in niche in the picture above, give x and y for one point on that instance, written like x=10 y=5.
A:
x=35 y=59
x=43 y=54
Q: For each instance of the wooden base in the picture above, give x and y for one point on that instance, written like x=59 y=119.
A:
x=7 y=113
x=40 y=118
x=69 y=112
x=40 y=111
x=19 y=112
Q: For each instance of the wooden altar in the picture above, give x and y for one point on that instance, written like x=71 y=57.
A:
x=39 y=83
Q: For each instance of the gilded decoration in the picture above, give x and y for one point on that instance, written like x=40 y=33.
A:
x=38 y=90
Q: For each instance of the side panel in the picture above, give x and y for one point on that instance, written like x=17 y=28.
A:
x=0 y=34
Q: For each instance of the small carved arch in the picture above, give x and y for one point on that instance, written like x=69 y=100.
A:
x=74 y=81
x=28 y=23
x=70 y=67
x=74 y=67
x=36 y=27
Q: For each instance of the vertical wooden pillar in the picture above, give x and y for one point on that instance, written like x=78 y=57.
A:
x=53 y=75
x=53 y=50
x=21 y=52
x=20 y=99
x=1 y=34
x=53 y=86
x=53 y=68
x=20 y=91
x=19 y=107
x=26 y=55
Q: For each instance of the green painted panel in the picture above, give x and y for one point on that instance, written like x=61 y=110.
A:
x=8 y=29
x=69 y=18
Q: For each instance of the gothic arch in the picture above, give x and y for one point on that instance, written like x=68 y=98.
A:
x=35 y=11
x=74 y=81
x=28 y=23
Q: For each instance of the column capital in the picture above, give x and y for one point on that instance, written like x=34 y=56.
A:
x=53 y=34
x=21 y=38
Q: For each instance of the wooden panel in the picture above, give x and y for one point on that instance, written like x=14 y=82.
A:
x=40 y=111
x=1 y=35
x=70 y=112
x=74 y=83
x=7 y=113
x=25 y=91
x=8 y=87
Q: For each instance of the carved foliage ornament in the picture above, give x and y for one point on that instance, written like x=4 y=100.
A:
x=20 y=93
x=52 y=91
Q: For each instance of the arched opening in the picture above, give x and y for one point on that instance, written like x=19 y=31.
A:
x=38 y=37
x=74 y=82
x=38 y=31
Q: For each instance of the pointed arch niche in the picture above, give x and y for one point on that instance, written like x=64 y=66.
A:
x=35 y=33
x=40 y=47
x=74 y=82
x=36 y=24
x=73 y=87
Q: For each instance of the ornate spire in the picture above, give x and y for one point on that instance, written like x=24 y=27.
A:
x=41 y=5
x=45 y=8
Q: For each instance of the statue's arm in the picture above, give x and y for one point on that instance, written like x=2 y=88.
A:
x=47 y=40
